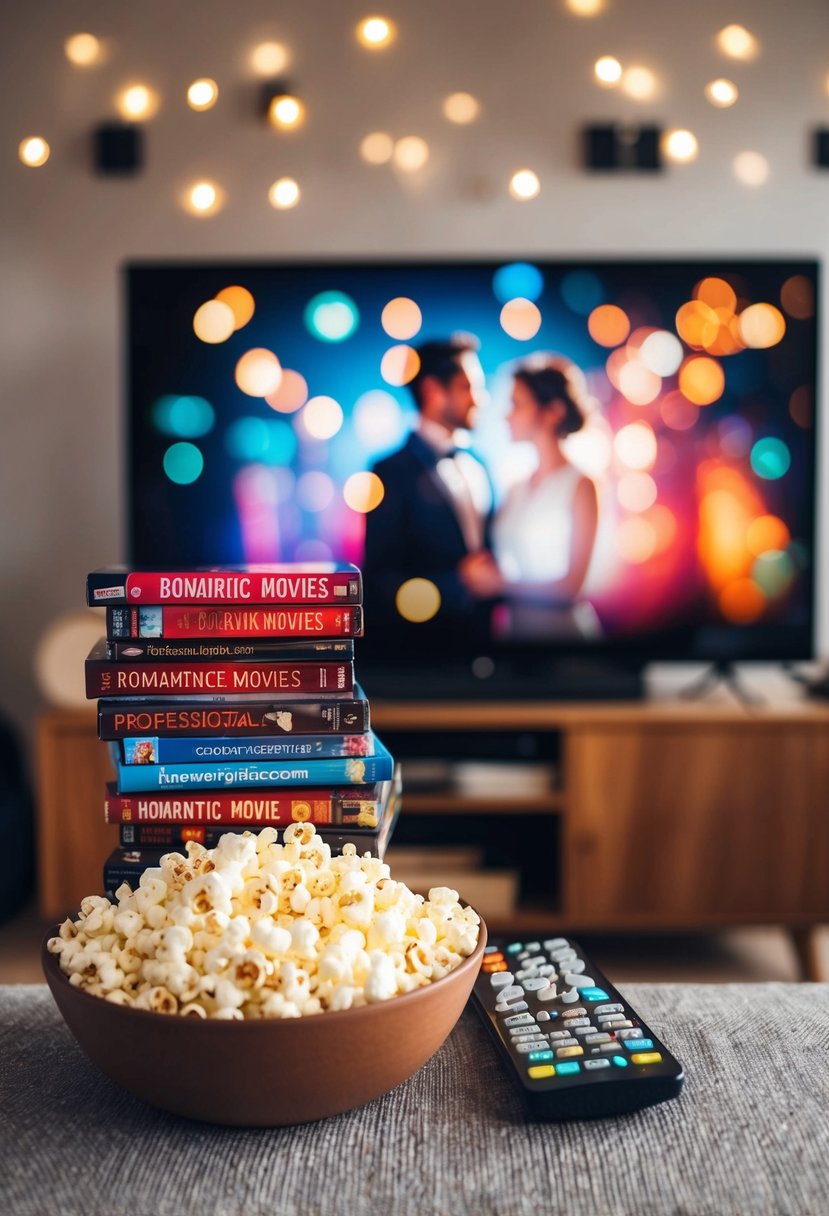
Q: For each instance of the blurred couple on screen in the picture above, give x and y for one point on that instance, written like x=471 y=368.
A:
x=515 y=571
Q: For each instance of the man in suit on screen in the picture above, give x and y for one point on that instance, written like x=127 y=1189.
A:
x=437 y=506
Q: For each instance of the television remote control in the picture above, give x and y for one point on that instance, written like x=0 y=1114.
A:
x=572 y=1042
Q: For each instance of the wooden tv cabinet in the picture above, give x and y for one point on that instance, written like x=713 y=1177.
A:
x=667 y=816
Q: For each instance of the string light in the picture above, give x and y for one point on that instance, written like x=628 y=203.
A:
x=524 y=185
x=639 y=83
x=410 y=153
x=284 y=194
x=461 y=108
x=377 y=148
x=203 y=198
x=737 y=42
x=751 y=168
x=137 y=103
x=607 y=70
x=376 y=33
x=202 y=94
x=286 y=112
x=722 y=93
x=33 y=151
x=680 y=146
x=84 y=50
x=269 y=58
x=585 y=8
x=214 y=322
x=240 y=302
x=258 y=372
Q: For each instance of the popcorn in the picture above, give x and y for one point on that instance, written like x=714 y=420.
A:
x=255 y=928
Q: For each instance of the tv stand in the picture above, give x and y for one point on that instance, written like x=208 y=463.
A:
x=572 y=678
x=721 y=672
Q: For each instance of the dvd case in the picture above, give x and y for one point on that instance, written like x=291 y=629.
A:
x=249 y=809
x=297 y=583
x=219 y=621
x=148 y=749
x=300 y=715
x=227 y=650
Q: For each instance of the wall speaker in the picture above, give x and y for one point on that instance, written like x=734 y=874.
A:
x=118 y=149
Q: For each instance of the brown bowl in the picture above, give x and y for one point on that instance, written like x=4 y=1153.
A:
x=270 y=1071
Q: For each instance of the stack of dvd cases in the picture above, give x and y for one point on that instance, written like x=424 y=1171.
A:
x=229 y=702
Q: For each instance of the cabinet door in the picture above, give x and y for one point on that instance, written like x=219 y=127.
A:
x=694 y=823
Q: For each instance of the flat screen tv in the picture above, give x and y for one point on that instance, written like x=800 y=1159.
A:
x=529 y=459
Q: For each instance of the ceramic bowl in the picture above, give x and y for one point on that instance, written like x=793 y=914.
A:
x=271 y=1071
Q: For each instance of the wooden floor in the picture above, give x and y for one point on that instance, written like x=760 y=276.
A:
x=741 y=955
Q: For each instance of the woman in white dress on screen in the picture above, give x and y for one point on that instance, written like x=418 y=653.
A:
x=545 y=530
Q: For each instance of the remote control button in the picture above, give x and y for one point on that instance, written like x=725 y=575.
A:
x=574 y=1013
x=559 y=1034
x=580 y=1021
x=647 y=1057
x=637 y=1044
x=594 y=994
x=581 y=1031
x=620 y=1061
x=536 y=1057
x=501 y=980
x=522 y=955
x=568 y=1067
x=597 y=1038
x=594 y=1064
x=512 y=1007
x=570 y=996
x=535 y=984
x=547 y=994
x=609 y=1047
x=548 y=970
x=635 y=1033
x=564 y=1053
x=520 y=1019
x=556 y=943
x=522 y=1032
x=539 y=1071
x=506 y=994
x=619 y=1024
x=514 y=947
x=575 y=966
x=579 y=981
x=537 y=960
x=535 y=1045
x=562 y=956
x=491 y=950
x=526 y=973
x=617 y=1008
x=542 y=1016
x=532 y=946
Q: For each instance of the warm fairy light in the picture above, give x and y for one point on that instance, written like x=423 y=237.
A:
x=607 y=70
x=635 y=446
x=137 y=103
x=636 y=539
x=716 y=293
x=742 y=601
x=377 y=148
x=214 y=322
x=638 y=384
x=269 y=58
x=639 y=83
x=521 y=319
x=322 y=417
x=33 y=151
x=363 y=492
x=202 y=94
x=636 y=491
x=258 y=372
x=680 y=146
x=697 y=323
x=767 y=532
x=608 y=325
x=661 y=353
x=737 y=42
x=399 y=365
x=401 y=318
x=797 y=296
x=290 y=394
x=751 y=168
x=461 y=108
x=585 y=8
x=376 y=33
x=286 y=113
x=761 y=326
x=728 y=340
x=701 y=380
x=240 y=302
x=524 y=185
x=203 y=198
x=616 y=360
x=721 y=93
x=83 y=50
x=410 y=153
x=284 y=194
x=417 y=600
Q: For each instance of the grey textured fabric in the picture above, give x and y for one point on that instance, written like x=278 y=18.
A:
x=748 y=1135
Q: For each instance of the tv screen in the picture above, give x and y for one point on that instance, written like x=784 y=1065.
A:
x=525 y=457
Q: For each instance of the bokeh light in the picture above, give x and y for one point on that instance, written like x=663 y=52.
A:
x=663 y=522
x=331 y=316
x=517 y=279
x=590 y=448
x=286 y=112
x=185 y=417
x=240 y=302
x=183 y=463
x=258 y=372
x=697 y=323
x=137 y=103
x=214 y=322
x=521 y=319
x=585 y=8
x=202 y=94
x=766 y=532
x=742 y=602
x=461 y=108
x=607 y=70
x=635 y=446
x=378 y=421
x=363 y=492
x=322 y=417
x=581 y=291
x=797 y=295
x=680 y=146
x=677 y=412
x=801 y=407
x=751 y=168
x=524 y=185
x=608 y=325
x=377 y=148
x=638 y=384
x=636 y=539
x=290 y=394
x=401 y=318
x=661 y=352
x=773 y=572
x=737 y=42
x=376 y=33
x=761 y=326
x=716 y=293
x=314 y=490
x=639 y=83
x=721 y=93
x=33 y=151
x=284 y=194
x=736 y=437
x=410 y=153
x=84 y=50
x=417 y=600
x=269 y=58
x=203 y=199
x=701 y=380
x=770 y=458
x=636 y=491
x=270 y=441
x=399 y=365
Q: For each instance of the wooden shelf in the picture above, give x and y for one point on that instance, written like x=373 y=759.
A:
x=462 y=804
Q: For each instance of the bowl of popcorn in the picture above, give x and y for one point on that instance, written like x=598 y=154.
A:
x=263 y=983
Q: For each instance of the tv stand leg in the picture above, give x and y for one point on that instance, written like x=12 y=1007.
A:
x=712 y=677
x=806 y=947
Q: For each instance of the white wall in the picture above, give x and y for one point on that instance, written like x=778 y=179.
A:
x=64 y=233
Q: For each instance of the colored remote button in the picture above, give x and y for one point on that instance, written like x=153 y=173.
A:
x=647 y=1057
x=638 y=1044
x=620 y=1061
x=568 y=1067
x=514 y=947
x=563 y=1053
x=593 y=994
x=539 y=1071
x=535 y=1057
